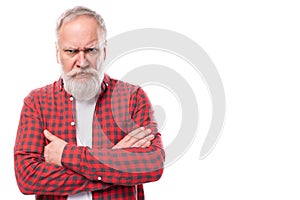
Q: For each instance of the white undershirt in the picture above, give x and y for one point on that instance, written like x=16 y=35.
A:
x=84 y=132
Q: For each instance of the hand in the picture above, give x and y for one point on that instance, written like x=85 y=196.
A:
x=139 y=137
x=53 y=151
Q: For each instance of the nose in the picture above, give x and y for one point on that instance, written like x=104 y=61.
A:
x=81 y=60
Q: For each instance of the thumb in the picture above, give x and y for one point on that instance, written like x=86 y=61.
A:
x=49 y=135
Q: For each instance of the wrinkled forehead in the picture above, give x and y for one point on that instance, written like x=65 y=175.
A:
x=81 y=30
x=79 y=26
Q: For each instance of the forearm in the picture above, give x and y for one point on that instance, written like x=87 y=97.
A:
x=37 y=177
x=130 y=166
x=33 y=174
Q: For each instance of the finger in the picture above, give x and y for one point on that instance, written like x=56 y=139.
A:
x=49 y=135
x=136 y=131
x=46 y=153
x=146 y=141
x=143 y=134
x=146 y=145
x=131 y=140
x=149 y=141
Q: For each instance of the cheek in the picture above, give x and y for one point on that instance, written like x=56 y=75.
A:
x=99 y=62
x=67 y=65
x=94 y=62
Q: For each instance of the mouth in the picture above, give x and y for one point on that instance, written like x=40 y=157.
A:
x=83 y=76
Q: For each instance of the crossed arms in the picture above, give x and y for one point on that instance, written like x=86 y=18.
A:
x=61 y=168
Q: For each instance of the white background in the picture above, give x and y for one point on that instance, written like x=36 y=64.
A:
x=255 y=46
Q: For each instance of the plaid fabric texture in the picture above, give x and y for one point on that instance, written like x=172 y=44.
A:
x=108 y=173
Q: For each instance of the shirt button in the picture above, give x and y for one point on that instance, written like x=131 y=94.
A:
x=99 y=178
x=71 y=98
x=72 y=123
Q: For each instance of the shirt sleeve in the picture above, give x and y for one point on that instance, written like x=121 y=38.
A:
x=128 y=166
x=33 y=174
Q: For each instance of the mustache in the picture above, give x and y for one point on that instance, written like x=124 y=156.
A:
x=78 y=71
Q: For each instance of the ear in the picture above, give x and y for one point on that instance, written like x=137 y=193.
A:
x=57 y=53
x=104 y=53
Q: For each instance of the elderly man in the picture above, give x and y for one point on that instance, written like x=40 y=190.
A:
x=86 y=136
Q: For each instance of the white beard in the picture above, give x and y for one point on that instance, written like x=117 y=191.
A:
x=83 y=90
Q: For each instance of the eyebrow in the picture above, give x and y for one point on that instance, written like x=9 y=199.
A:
x=88 y=45
x=76 y=48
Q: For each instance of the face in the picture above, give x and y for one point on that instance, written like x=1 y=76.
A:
x=80 y=51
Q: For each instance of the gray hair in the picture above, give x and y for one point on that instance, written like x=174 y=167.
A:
x=71 y=14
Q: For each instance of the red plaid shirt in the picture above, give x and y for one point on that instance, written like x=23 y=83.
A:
x=108 y=173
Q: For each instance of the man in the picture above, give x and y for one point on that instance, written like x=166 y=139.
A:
x=86 y=136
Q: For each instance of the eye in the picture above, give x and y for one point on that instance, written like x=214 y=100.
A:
x=92 y=50
x=71 y=51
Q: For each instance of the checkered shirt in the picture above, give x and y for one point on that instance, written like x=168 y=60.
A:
x=108 y=173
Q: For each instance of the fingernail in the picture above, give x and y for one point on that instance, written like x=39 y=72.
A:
x=149 y=130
